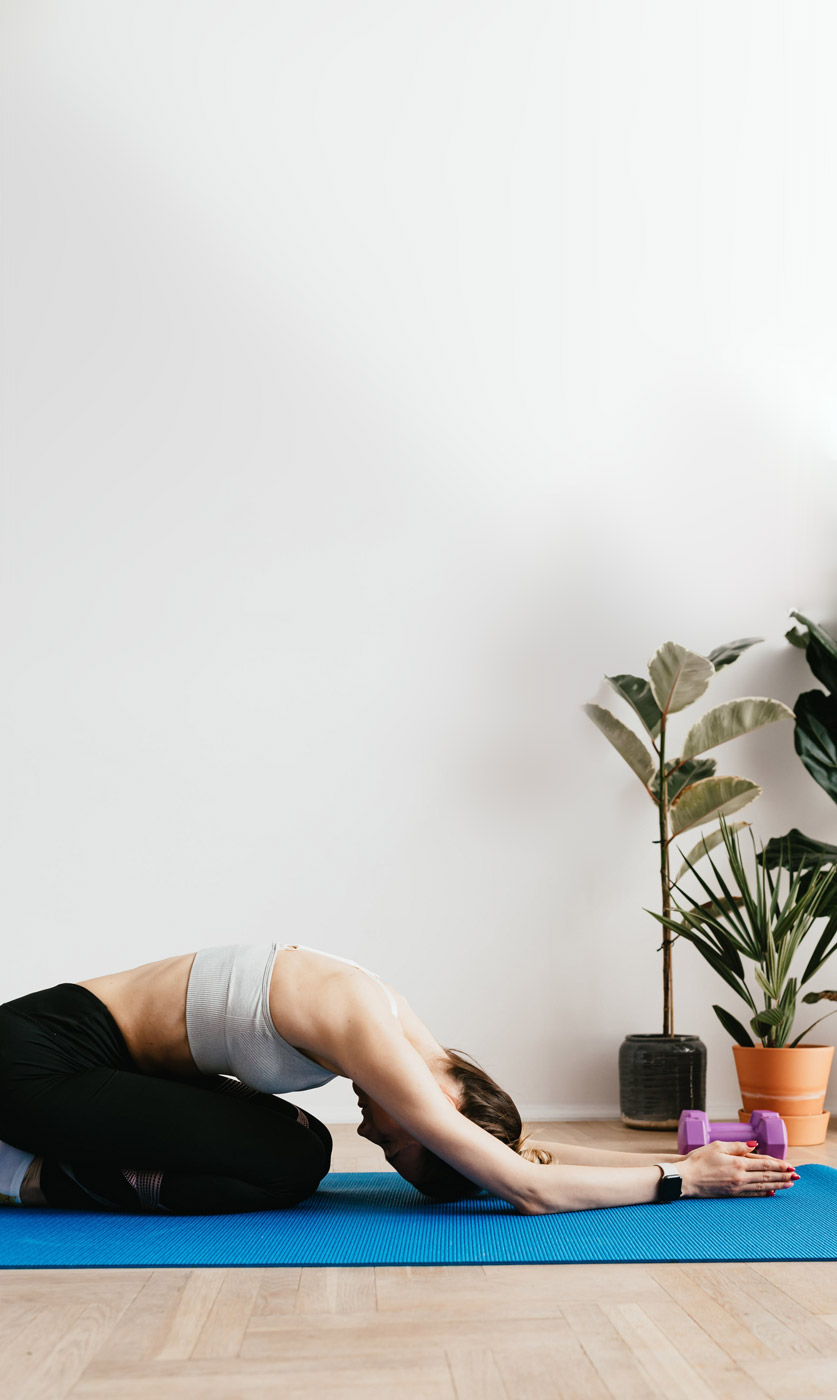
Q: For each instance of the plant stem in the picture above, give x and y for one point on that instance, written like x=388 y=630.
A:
x=668 y=1010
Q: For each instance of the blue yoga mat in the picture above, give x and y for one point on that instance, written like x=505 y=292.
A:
x=376 y=1218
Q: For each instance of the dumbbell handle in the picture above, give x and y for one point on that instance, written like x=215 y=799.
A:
x=731 y=1132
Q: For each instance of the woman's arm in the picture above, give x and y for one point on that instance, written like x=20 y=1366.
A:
x=567 y=1154
x=370 y=1048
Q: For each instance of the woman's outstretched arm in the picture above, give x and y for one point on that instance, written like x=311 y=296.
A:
x=370 y=1048
x=570 y=1155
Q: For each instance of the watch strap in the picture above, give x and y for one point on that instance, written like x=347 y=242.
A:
x=670 y=1185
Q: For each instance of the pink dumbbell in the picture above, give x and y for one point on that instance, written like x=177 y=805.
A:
x=767 y=1128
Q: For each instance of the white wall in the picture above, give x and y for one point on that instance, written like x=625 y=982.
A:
x=377 y=377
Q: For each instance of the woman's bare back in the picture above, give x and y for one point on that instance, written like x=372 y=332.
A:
x=307 y=988
x=148 y=1004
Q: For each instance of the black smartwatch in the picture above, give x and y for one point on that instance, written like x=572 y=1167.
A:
x=671 y=1182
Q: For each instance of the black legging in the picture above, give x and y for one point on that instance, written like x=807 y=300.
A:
x=70 y=1092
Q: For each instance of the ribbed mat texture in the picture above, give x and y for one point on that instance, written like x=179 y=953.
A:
x=376 y=1218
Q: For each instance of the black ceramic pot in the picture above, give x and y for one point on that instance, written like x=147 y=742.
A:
x=659 y=1076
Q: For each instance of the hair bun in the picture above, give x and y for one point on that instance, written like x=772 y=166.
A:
x=540 y=1155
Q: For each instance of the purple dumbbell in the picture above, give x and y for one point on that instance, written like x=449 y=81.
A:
x=767 y=1128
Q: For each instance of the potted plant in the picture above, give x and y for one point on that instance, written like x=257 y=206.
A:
x=661 y=1074
x=744 y=922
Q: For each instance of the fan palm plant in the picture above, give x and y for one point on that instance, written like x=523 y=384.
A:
x=761 y=926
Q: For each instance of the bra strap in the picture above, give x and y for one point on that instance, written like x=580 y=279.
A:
x=303 y=948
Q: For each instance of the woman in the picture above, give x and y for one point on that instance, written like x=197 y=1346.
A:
x=112 y=1094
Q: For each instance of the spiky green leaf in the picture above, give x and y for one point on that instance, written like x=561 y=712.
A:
x=826 y=945
x=704 y=846
x=678 y=677
x=712 y=922
x=712 y=797
x=624 y=741
x=715 y=959
x=637 y=692
x=730 y=903
x=811 y=1027
x=787 y=1000
x=731 y=720
x=767 y=987
x=772 y=1016
x=732 y=1027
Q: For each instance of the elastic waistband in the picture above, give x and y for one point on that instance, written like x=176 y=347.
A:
x=67 y=1029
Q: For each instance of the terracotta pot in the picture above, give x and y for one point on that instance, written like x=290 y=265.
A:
x=792 y=1082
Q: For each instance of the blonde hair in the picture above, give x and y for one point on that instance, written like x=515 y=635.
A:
x=482 y=1101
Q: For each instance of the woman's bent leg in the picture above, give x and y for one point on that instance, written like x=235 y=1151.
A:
x=217 y=1152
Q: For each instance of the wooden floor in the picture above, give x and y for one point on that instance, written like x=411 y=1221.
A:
x=473 y=1333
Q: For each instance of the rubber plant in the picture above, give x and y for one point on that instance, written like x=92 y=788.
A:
x=686 y=791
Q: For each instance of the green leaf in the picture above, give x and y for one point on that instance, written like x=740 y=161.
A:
x=715 y=959
x=712 y=797
x=764 y=984
x=732 y=1027
x=704 y=846
x=725 y=655
x=704 y=926
x=822 y=952
x=815 y=737
x=770 y=1017
x=820 y=996
x=797 y=638
x=729 y=905
x=788 y=998
x=637 y=692
x=824 y=883
x=811 y=1027
x=731 y=720
x=624 y=741
x=796 y=851
x=680 y=774
x=822 y=653
x=678 y=677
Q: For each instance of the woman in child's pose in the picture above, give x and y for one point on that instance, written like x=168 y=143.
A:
x=153 y=1090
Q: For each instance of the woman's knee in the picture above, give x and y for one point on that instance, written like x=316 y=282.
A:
x=322 y=1134
x=298 y=1172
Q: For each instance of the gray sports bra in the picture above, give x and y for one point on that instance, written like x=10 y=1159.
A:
x=228 y=1021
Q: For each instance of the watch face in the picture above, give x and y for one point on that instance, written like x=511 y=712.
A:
x=670 y=1187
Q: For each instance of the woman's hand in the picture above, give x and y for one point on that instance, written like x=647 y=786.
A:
x=733 y=1169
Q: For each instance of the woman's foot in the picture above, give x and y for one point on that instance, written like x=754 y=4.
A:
x=16 y=1167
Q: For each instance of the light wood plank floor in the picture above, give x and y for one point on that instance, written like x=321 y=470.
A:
x=590 y=1331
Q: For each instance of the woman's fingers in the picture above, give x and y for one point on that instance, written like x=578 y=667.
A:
x=768 y=1164
x=765 y=1175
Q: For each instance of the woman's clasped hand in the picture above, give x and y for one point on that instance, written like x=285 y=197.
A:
x=733 y=1169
